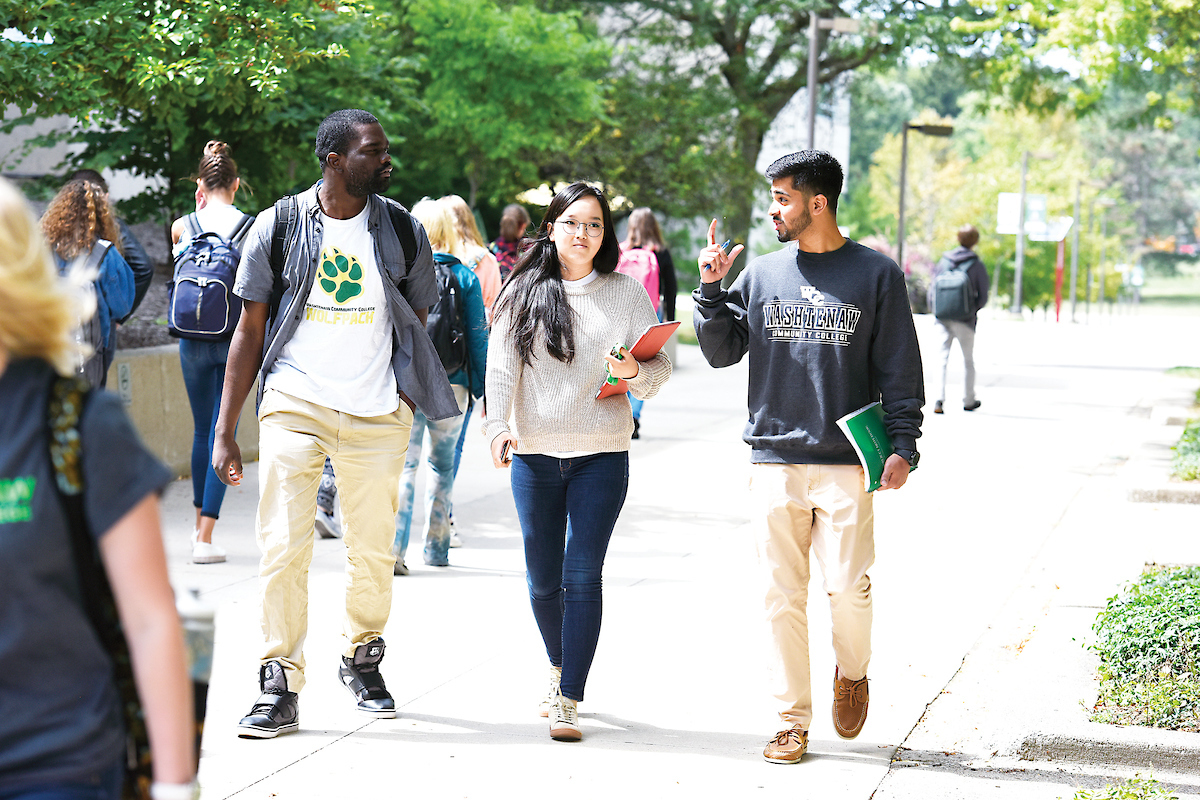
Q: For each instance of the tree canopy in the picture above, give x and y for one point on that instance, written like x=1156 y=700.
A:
x=1125 y=43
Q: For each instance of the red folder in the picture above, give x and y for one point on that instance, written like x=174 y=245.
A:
x=647 y=347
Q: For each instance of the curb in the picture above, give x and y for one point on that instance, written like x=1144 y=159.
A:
x=1095 y=744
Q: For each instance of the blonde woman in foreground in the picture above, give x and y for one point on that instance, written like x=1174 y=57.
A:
x=61 y=732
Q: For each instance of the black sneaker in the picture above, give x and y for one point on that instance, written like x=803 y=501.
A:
x=360 y=675
x=276 y=711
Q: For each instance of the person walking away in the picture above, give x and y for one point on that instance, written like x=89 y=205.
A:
x=462 y=345
x=131 y=250
x=641 y=264
x=514 y=221
x=967 y=294
x=203 y=360
x=343 y=360
x=471 y=250
x=828 y=322
x=61 y=733
x=644 y=232
x=82 y=231
x=555 y=323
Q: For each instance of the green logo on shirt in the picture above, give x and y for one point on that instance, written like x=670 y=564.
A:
x=16 y=497
x=340 y=275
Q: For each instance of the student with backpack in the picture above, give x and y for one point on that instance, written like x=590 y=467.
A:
x=82 y=231
x=203 y=312
x=645 y=257
x=457 y=325
x=958 y=290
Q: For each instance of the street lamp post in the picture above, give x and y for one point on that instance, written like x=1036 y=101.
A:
x=928 y=130
x=1020 y=265
x=815 y=26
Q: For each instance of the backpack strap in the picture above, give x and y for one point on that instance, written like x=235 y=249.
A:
x=241 y=231
x=286 y=214
x=64 y=409
x=402 y=222
x=192 y=223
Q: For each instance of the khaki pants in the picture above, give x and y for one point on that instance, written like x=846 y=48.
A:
x=796 y=507
x=367 y=453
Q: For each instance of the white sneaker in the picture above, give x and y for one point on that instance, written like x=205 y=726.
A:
x=327 y=527
x=454 y=540
x=555 y=680
x=205 y=552
x=564 y=720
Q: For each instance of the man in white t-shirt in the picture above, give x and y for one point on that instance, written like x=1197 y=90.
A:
x=336 y=283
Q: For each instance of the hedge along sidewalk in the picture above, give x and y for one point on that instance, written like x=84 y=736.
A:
x=1148 y=641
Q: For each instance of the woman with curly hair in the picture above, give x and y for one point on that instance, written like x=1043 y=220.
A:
x=81 y=230
x=61 y=733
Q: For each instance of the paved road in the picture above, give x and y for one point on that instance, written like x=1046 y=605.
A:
x=675 y=704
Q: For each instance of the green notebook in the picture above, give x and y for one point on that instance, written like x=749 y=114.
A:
x=866 y=431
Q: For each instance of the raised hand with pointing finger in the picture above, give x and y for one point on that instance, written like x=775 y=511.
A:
x=714 y=262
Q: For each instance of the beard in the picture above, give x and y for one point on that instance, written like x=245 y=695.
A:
x=364 y=185
x=791 y=234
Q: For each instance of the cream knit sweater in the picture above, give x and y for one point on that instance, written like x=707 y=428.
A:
x=551 y=407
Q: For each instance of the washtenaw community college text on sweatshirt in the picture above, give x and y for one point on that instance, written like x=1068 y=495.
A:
x=827 y=334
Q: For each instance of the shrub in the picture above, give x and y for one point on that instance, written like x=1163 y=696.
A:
x=1186 y=463
x=1136 y=788
x=1148 y=640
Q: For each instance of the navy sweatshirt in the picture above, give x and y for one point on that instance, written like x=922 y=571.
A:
x=827 y=334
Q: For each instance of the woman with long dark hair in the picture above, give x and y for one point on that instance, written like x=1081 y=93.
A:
x=557 y=318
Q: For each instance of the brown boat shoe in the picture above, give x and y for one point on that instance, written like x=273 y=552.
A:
x=850 y=700
x=787 y=747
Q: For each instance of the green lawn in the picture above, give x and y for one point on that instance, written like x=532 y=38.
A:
x=1179 y=294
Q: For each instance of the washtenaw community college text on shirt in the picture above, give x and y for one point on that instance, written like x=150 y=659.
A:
x=811 y=319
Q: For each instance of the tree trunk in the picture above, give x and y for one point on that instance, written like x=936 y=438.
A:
x=743 y=187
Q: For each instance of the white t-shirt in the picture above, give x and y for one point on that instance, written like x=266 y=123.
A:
x=340 y=356
x=219 y=218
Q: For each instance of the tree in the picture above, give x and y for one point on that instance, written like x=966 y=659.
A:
x=1122 y=43
x=755 y=51
x=151 y=80
x=957 y=181
x=503 y=93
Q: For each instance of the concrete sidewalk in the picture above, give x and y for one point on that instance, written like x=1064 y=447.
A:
x=1009 y=534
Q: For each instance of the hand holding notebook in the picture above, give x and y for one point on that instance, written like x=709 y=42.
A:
x=646 y=348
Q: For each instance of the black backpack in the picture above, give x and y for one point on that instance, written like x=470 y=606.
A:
x=445 y=325
x=200 y=300
x=954 y=294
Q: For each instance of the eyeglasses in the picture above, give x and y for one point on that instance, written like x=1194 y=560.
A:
x=593 y=229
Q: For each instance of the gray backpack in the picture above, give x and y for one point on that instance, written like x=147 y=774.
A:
x=953 y=293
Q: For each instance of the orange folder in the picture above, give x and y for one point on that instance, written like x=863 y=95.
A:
x=647 y=347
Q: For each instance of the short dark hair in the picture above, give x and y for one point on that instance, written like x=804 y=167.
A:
x=813 y=172
x=336 y=131
x=968 y=236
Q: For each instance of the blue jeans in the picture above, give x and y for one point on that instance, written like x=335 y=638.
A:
x=568 y=508
x=103 y=786
x=204 y=376
x=444 y=436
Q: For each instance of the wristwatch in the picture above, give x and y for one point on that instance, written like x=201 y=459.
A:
x=911 y=456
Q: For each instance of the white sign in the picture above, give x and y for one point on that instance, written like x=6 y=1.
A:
x=1055 y=230
x=1008 y=212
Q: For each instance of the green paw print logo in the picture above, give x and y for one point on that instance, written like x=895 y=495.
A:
x=340 y=275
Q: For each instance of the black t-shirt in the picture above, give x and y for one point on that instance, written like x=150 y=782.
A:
x=60 y=716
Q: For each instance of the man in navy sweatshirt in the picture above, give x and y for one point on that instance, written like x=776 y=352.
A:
x=828 y=328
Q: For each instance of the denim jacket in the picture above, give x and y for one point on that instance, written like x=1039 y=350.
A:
x=415 y=363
